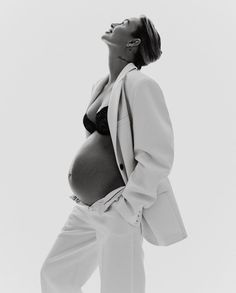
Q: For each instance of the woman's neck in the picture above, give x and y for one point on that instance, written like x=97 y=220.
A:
x=116 y=64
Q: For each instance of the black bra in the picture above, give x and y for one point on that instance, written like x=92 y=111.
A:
x=101 y=124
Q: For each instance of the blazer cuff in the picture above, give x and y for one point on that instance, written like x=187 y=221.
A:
x=125 y=209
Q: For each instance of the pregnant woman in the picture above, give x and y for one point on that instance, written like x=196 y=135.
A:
x=119 y=175
x=94 y=171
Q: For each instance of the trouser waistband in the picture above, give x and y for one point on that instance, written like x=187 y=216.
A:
x=102 y=204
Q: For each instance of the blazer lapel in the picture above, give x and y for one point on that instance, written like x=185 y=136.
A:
x=113 y=101
x=112 y=113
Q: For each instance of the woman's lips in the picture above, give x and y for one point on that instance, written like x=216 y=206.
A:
x=110 y=31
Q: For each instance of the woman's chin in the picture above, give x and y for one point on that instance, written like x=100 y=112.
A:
x=105 y=37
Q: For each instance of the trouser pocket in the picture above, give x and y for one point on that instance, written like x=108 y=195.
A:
x=107 y=203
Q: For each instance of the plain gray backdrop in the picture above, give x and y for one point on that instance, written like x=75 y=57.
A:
x=51 y=55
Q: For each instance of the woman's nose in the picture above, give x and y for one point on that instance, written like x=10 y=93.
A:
x=114 y=24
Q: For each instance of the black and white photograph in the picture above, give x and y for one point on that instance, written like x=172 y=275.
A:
x=118 y=147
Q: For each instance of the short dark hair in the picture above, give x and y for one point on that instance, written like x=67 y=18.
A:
x=149 y=50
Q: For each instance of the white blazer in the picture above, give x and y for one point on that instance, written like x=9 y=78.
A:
x=143 y=142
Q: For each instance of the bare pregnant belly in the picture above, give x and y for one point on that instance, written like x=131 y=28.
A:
x=94 y=171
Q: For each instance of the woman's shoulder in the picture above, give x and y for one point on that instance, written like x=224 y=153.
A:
x=136 y=78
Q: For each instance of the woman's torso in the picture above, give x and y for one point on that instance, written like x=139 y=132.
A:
x=94 y=171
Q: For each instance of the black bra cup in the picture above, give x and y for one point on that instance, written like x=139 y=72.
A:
x=101 y=124
x=89 y=125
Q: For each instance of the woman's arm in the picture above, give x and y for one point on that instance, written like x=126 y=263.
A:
x=153 y=149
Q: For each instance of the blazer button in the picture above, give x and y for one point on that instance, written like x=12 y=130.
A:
x=121 y=166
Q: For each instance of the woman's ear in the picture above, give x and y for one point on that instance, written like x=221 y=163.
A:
x=137 y=41
x=133 y=42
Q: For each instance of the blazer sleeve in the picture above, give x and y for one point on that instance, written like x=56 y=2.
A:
x=153 y=140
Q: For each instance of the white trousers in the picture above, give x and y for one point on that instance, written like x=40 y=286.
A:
x=92 y=236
